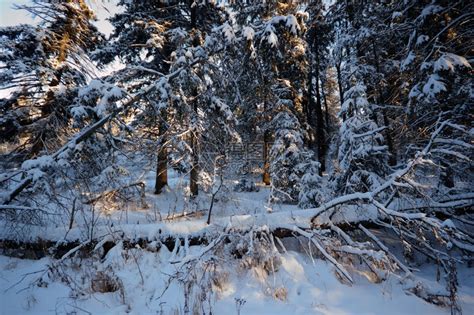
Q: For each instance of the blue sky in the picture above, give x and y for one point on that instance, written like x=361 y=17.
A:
x=9 y=16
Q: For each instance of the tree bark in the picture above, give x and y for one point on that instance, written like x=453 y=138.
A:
x=392 y=160
x=266 y=162
x=326 y=111
x=320 y=129
x=162 y=158
x=339 y=83
x=193 y=12
x=310 y=101
x=161 y=169
x=194 y=176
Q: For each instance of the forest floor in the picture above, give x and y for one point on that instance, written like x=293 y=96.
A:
x=148 y=281
x=300 y=286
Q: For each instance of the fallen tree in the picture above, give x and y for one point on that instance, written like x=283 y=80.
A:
x=400 y=221
x=254 y=247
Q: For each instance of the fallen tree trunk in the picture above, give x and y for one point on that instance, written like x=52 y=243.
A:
x=42 y=248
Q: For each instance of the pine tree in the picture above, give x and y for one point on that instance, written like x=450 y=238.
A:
x=43 y=65
x=436 y=65
x=362 y=156
x=287 y=153
x=274 y=33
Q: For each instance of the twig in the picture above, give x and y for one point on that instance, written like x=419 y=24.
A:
x=310 y=236
x=385 y=249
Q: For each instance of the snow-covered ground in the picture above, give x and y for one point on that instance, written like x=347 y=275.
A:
x=300 y=286
x=297 y=284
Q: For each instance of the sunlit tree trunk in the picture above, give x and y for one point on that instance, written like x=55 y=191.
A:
x=320 y=129
x=194 y=176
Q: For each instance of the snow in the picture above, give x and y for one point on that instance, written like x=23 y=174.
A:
x=94 y=85
x=221 y=106
x=429 y=10
x=272 y=39
x=449 y=61
x=449 y=223
x=299 y=286
x=408 y=60
x=41 y=162
x=292 y=24
x=78 y=112
x=240 y=210
x=414 y=92
x=315 y=271
x=229 y=33
x=396 y=14
x=98 y=89
x=421 y=39
x=434 y=86
x=189 y=54
x=425 y=65
x=181 y=60
x=355 y=96
x=248 y=32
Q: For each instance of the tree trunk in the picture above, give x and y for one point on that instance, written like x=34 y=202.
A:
x=310 y=101
x=326 y=111
x=266 y=162
x=193 y=183
x=161 y=170
x=194 y=176
x=162 y=159
x=339 y=84
x=387 y=133
x=320 y=129
x=193 y=10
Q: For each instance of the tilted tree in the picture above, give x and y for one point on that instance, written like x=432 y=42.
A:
x=42 y=67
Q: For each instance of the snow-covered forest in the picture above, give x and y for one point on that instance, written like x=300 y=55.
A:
x=238 y=157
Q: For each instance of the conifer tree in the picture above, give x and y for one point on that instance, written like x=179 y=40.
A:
x=43 y=66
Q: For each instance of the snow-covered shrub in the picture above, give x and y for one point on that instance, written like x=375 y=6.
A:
x=104 y=282
x=311 y=194
x=256 y=251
